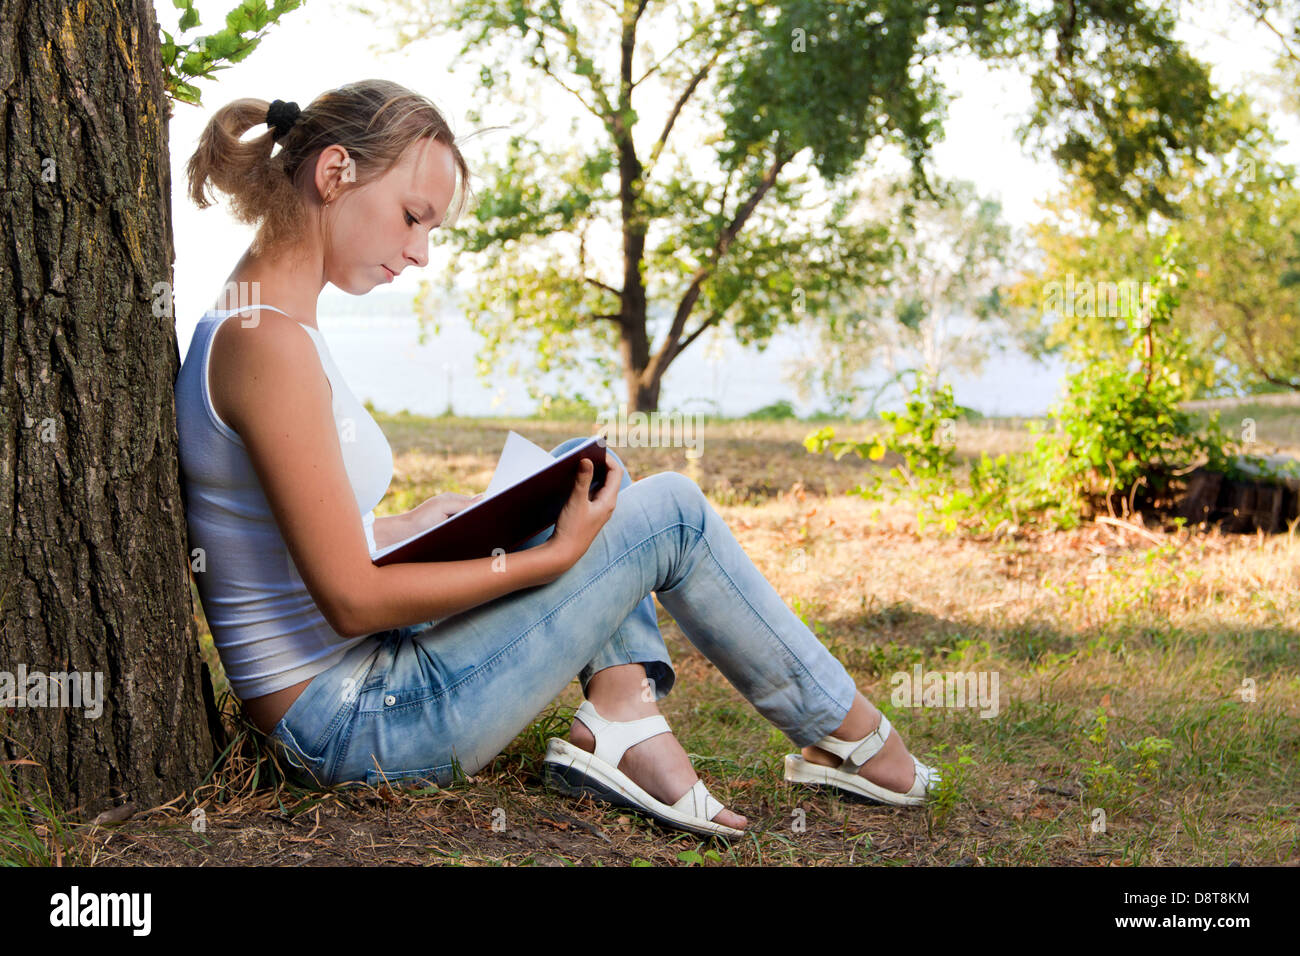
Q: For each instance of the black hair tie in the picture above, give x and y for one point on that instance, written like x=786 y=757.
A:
x=282 y=116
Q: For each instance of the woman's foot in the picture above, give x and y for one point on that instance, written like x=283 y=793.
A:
x=891 y=768
x=657 y=765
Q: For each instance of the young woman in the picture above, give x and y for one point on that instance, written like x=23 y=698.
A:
x=365 y=673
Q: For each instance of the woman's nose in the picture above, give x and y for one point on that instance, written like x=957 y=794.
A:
x=418 y=255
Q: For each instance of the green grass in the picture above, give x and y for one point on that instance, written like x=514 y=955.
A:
x=33 y=830
x=1121 y=687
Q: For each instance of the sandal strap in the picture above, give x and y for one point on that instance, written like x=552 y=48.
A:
x=615 y=737
x=927 y=779
x=698 y=802
x=854 y=753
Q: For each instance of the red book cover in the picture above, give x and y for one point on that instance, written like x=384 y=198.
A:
x=506 y=518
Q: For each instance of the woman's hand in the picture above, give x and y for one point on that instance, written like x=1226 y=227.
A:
x=440 y=507
x=581 y=520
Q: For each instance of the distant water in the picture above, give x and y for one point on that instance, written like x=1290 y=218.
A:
x=375 y=343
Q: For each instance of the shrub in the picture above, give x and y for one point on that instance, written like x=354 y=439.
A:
x=1118 y=435
x=777 y=411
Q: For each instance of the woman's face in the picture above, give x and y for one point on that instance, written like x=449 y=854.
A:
x=385 y=224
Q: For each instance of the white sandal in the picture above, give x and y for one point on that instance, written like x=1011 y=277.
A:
x=574 y=771
x=853 y=754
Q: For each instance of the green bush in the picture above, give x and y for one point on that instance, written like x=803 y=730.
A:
x=1117 y=440
x=566 y=408
x=923 y=435
x=777 y=411
x=1122 y=421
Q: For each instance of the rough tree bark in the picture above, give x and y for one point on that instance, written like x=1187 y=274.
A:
x=93 y=576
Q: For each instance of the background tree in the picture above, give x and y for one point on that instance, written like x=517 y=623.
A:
x=574 y=244
x=1239 y=218
x=936 y=309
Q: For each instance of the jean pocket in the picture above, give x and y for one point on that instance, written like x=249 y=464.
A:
x=305 y=766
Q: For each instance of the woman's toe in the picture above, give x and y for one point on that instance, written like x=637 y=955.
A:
x=730 y=819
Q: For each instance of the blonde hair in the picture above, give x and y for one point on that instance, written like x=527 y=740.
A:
x=374 y=120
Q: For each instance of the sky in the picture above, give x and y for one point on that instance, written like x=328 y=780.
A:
x=322 y=45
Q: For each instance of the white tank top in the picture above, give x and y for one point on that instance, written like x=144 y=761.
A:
x=265 y=625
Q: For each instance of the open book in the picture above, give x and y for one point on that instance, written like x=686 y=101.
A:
x=525 y=496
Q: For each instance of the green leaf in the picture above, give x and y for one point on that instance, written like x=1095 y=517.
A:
x=195 y=61
x=187 y=93
x=241 y=53
x=221 y=45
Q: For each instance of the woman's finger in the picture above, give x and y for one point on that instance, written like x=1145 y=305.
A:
x=585 y=471
x=613 y=479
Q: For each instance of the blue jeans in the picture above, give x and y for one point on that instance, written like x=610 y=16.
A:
x=424 y=701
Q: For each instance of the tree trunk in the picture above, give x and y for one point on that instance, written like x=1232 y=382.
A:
x=642 y=395
x=643 y=398
x=93 y=571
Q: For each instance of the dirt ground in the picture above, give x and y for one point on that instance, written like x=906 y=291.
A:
x=1121 y=650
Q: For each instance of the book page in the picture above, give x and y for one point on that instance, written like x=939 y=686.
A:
x=519 y=459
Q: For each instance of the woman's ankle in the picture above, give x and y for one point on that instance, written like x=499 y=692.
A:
x=861 y=720
x=621 y=692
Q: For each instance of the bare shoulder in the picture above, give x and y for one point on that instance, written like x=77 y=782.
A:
x=246 y=361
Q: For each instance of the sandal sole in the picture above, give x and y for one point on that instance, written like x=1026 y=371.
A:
x=799 y=770
x=560 y=771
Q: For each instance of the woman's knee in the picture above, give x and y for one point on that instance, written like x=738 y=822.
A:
x=627 y=475
x=675 y=488
x=572 y=443
x=565 y=445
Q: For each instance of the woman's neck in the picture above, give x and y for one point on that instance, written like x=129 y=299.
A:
x=289 y=283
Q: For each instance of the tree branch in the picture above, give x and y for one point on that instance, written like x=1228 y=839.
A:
x=1278 y=33
x=670 y=347
x=696 y=80
x=1252 y=356
x=601 y=285
x=708 y=323
x=546 y=68
x=569 y=38
x=671 y=53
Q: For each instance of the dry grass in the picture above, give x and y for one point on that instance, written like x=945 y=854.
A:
x=1107 y=641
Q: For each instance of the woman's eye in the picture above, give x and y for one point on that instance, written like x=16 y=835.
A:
x=410 y=220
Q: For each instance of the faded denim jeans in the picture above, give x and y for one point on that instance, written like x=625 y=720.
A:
x=416 y=703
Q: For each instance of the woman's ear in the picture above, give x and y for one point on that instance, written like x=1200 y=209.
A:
x=333 y=168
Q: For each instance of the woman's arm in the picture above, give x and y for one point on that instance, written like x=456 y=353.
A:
x=399 y=594
x=389 y=529
x=299 y=464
